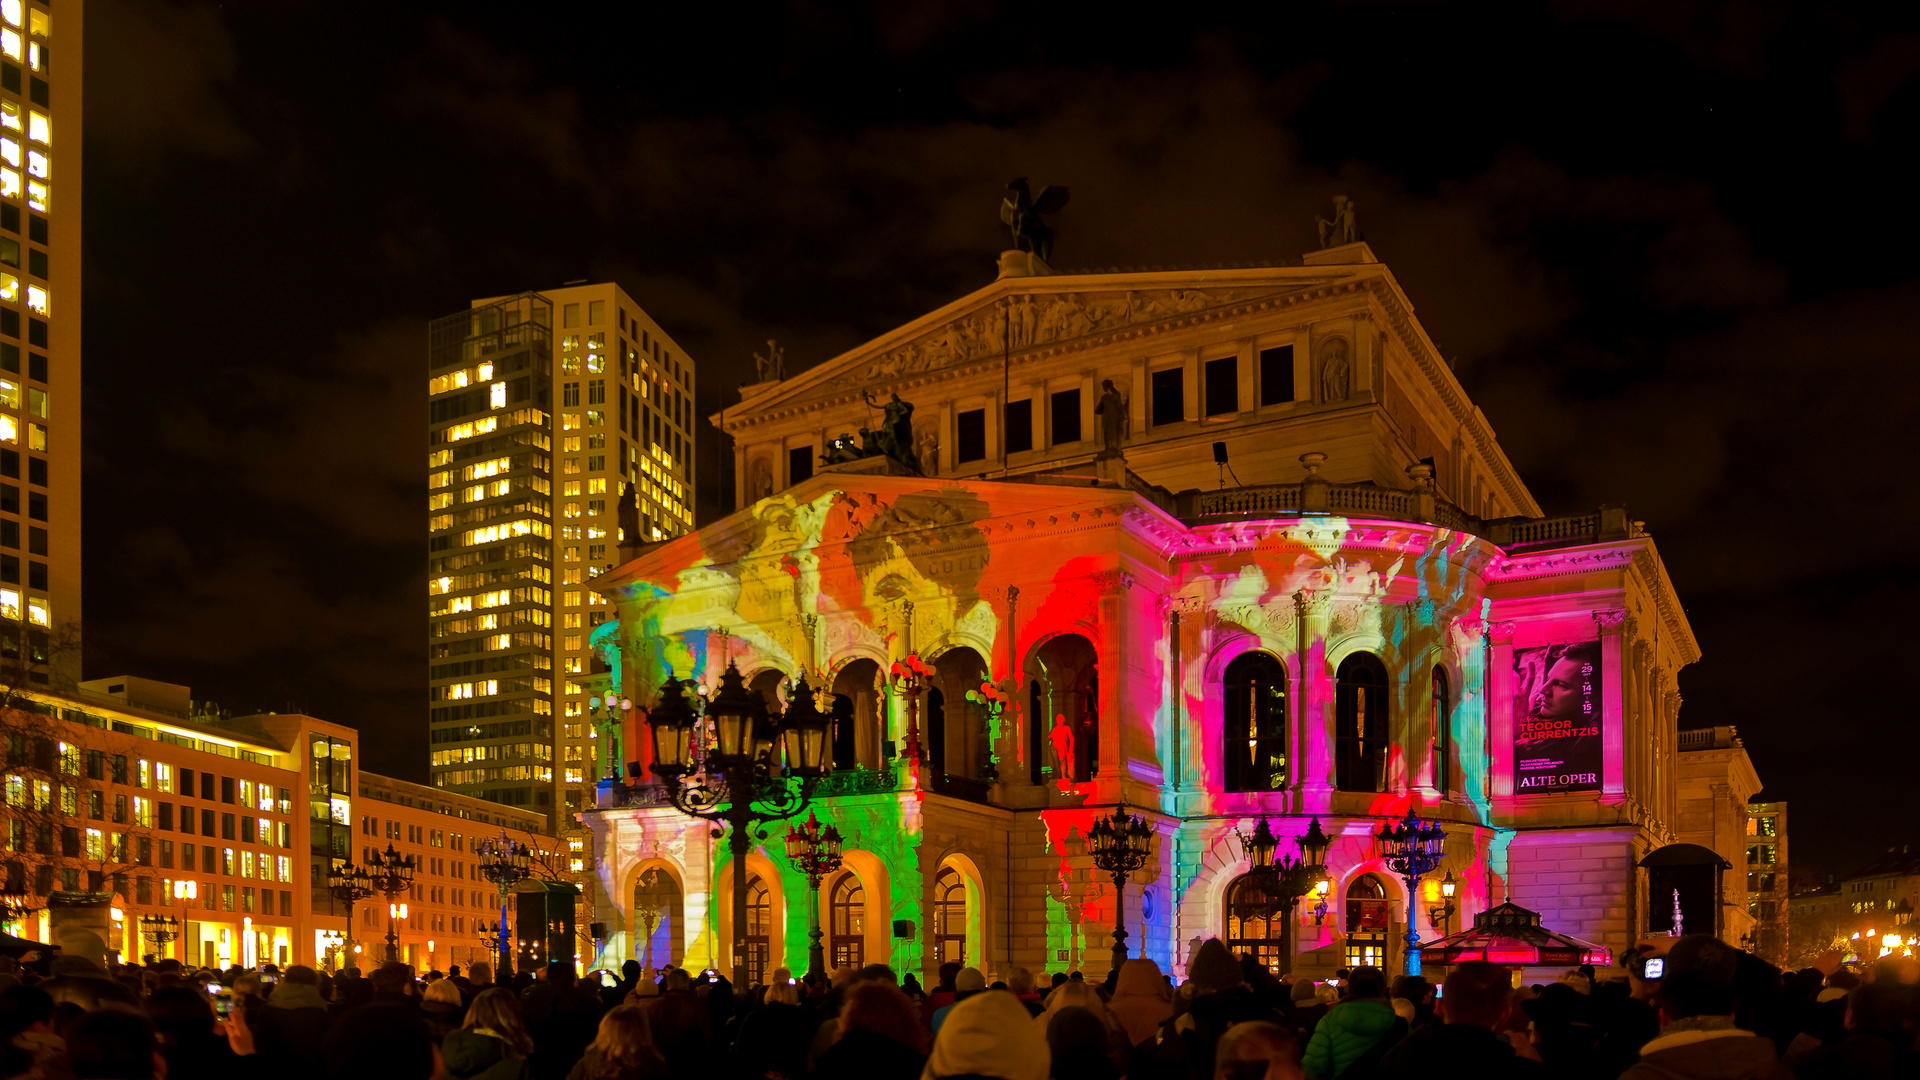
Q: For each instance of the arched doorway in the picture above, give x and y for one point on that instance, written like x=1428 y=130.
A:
x=1360 y=724
x=656 y=924
x=856 y=716
x=759 y=933
x=949 y=916
x=1369 y=922
x=846 y=922
x=1063 y=718
x=1257 y=925
x=955 y=729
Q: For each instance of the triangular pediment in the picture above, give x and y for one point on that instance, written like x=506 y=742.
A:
x=1026 y=317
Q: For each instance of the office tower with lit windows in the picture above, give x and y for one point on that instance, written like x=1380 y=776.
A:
x=541 y=407
x=39 y=348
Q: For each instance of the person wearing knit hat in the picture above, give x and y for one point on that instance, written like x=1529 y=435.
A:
x=1141 y=1000
x=989 y=1035
x=967 y=983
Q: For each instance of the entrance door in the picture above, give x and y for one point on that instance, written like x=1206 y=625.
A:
x=1369 y=923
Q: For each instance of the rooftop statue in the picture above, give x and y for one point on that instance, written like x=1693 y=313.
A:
x=1340 y=228
x=1020 y=211
x=773 y=366
x=895 y=437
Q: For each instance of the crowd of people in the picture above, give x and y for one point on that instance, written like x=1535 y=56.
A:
x=1715 y=1013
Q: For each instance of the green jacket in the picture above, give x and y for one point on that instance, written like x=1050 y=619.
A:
x=1347 y=1033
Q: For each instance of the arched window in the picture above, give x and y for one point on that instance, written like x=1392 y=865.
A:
x=949 y=916
x=1369 y=922
x=846 y=922
x=1255 y=711
x=845 y=756
x=759 y=933
x=1442 y=731
x=1256 y=925
x=1360 y=724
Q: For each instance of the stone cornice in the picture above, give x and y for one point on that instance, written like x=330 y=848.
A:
x=1398 y=314
x=1297 y=286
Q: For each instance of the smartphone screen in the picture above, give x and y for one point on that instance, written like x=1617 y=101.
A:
x=222 y=1007
x=1656 y=967
x=216 y=989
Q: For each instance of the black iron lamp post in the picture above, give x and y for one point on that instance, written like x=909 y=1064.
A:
x=816 y=851
x=1288 y=879
x=506 y=863
x=349 y=884
x=1411 y=848
x=759 y=768
x=1119 y=846
x=160 y=930
x=392 y=876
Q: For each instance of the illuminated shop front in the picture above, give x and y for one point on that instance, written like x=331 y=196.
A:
x=1079 y=606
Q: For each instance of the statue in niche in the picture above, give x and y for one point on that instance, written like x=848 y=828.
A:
x=895 y=437
x=1020 y=212
x=1340 y=228
x=1112 y=411
x=759 y=480
x=773 y=366
x=1336 y=375
x=1062 y=738
x=926 y=448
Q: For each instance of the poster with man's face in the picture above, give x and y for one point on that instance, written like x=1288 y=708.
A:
x=1556 y=718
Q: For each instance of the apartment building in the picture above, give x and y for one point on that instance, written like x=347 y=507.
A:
x=39 y=345
x=542 y=408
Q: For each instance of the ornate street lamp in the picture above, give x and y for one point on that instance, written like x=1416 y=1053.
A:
x=608 y=717
x=351 y=885
x=1288 y=880
x=743 y=779
x=816 y=851
x=1119 y=846
x=1411 y=849
x=17 y=904
x=1438 y=914
x=506 y=863
x=392 y=876
x=160 y=930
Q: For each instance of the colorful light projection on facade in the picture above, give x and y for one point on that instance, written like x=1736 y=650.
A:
x=1068 y=648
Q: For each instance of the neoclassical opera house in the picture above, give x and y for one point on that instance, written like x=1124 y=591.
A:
x=1279 y=569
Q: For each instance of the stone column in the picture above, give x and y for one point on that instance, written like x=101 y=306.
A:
x=1314 y=717
x=1613 y=733
x=1500 y=711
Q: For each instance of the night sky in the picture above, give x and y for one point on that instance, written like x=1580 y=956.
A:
x=1668 y=245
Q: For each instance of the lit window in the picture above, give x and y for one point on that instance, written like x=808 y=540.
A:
x=37 y=612
x=38 y=164
x=39 y=128
x=10 y=604
x=9 y=394
x=9 y=432
x=37 y=23
x=597 y=486
x=497 y=395
x=37 y=197
x=37 y=402
x=34 y=53
x=10 y=183
x=10 y=152
x=568 y=421
x=10 y=10
x=10 y=44
x=36 y=437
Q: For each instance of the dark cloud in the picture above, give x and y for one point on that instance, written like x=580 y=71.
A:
x=1664 y=245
